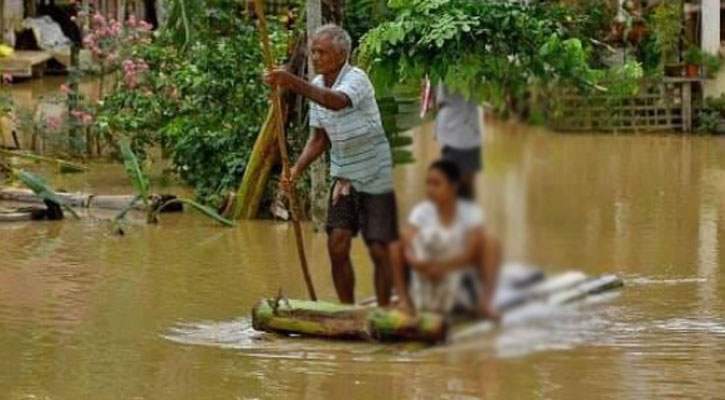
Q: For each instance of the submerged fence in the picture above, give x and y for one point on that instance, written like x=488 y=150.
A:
x=664 y=105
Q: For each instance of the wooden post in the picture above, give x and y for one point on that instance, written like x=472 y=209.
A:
x=121 y=11
x=2 y=21
x=710 y=26
x=318 y=169
x=282 y=141
x=687 y=106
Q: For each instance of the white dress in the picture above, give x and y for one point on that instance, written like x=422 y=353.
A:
x=437 y=242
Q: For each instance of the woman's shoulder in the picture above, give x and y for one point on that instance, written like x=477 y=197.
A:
x=471 y=212
x=422 y=212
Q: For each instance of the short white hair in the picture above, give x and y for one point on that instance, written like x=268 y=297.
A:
x=340 y=38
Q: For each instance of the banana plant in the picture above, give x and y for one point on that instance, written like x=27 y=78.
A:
x=179 y=21
x=140 y=183
x=42 y=190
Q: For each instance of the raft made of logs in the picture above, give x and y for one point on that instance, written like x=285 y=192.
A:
x=85 y=200
x=367 y=322
x=339 y=321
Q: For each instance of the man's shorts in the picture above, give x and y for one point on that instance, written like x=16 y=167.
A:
x=468 y=160
x=374 y=215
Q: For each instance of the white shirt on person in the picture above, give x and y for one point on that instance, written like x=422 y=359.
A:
x=446 y=294
x=359 y=150
x=459 y=122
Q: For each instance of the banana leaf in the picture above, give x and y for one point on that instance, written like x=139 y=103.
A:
x=207 y=211
x=178 y=23
x=122 y=214
x=42 y=190
x=139 y=180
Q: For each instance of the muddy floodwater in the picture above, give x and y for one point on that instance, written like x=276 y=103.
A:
x=162 y=313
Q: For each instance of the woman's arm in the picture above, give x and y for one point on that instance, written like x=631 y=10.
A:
x=464 y=259
x=430 y=269
x=407 y=239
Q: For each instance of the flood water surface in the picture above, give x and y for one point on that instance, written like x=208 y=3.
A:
x=162 y=312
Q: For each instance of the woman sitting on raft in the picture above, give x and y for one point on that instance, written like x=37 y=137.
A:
x=444 y=261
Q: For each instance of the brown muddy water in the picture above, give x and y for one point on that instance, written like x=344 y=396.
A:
x=162 y=313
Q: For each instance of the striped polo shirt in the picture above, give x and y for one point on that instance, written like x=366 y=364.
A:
x=359 y=150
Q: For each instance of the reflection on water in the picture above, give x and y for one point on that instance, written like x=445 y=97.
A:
x=162 y=312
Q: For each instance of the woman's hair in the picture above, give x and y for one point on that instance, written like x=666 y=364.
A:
x=449 y=169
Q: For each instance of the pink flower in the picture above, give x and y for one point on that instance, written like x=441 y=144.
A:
x=64 y=89
x=82 y=117
x=53 y=123
x=7 y=78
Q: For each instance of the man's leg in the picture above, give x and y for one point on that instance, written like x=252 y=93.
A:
x=338 y=247
x=379 y=226
x=400 y=278
x=468 y=186
x=380 y=254
x=470 y=163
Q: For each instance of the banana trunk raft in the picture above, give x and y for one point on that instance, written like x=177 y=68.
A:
x=360 y=322
x=339 y=321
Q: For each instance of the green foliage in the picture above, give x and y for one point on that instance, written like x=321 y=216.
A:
x=363 y=15
x=666 y=23
x=42 y=190
x=711 y=116
x=711 y=63
x=139 y=180
x=620 y=80
x=591 y=18
x=693 y=55
x=708 y=121
x=204 y=102
x=650 y=55
x=179 y=21
x=490 y=51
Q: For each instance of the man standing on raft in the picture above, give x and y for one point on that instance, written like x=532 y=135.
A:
x=345 y=117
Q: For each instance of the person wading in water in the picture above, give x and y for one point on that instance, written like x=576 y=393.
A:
x=459 y=129
x=346 y=118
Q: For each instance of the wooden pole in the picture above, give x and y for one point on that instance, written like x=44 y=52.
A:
x=279 y=122
x=318 y=169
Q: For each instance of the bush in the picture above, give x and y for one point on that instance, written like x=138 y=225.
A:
x=203 y=102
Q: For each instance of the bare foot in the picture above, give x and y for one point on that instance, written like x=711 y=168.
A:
x=488 y=312
x=406 y=307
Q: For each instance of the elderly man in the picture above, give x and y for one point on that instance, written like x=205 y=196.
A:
x=345 y=117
